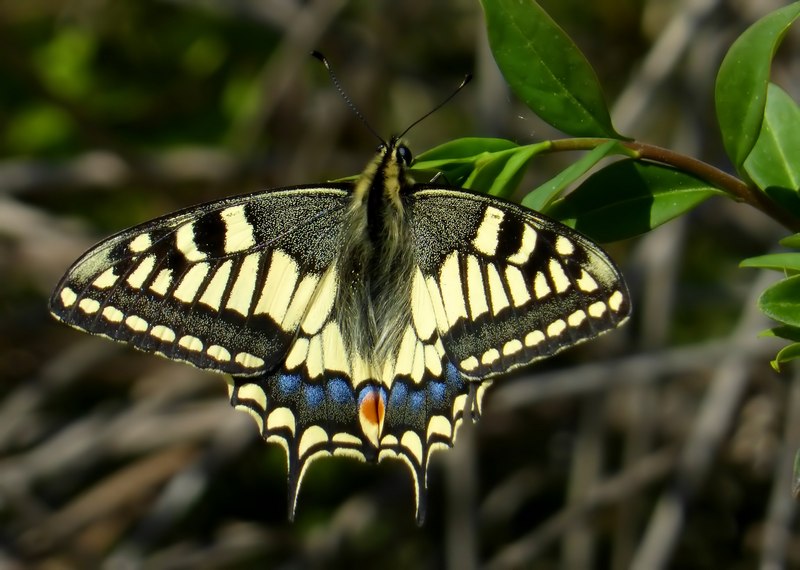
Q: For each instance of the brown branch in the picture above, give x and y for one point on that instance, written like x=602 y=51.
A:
x=735 y=187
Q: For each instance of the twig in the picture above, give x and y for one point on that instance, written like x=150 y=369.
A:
x=713 y=420
x=519 y=554
x=637 y=369
x=736 y=188
x=782 y=508
x=579 y=543
x=461 y=528
x=655 y=274
x=184 y=489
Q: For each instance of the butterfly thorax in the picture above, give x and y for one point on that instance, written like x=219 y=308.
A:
x=376 y=260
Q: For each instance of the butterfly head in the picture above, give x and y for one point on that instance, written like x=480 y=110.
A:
x=403 y=155
x=397 y=151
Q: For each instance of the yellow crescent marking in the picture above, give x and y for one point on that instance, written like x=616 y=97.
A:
x=556 y=328
x=89 y=306
x=255 y=393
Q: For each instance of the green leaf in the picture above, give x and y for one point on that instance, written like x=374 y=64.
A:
x=787 y=353
x=741 y=87
x=499 y=174
x=541 y=197
x=775 y=158
x=456 y=159
x=777 y=261
x=782 y=331
x=782 y=301
x=494 y=166
x=786 y=198
x=546 y=69
x=466 y=148
x=792 y=241
x=629 y=198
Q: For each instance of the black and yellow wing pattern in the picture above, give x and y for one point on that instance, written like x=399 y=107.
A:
x=360 y=319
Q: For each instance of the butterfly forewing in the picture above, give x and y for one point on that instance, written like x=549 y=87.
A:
x=221 y=286
x=509 y=286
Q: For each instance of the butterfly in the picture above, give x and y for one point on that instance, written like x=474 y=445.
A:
x=363 y=319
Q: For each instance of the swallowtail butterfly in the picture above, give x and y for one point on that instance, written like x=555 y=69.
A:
x=362 y=319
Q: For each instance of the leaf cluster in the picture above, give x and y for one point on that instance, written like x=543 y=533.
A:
x=647 y=185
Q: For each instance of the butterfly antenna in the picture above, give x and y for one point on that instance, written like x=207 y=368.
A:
x=347 y=99
x=467 y=79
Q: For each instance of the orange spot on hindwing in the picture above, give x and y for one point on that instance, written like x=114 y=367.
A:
x=371 y=411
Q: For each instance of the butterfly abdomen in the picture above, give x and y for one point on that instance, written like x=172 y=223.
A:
x=376 y=264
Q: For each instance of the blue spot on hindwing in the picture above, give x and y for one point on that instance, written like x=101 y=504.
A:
x=437 y=392
x=417 y=400
x=453 y=377
x=315 y=394
x=339 y=391
x=399 y=394
x=289 y=383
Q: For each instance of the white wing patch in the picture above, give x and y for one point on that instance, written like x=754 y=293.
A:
x=162 y=282
x=140 y=243
x=486 y=237
x=526 y=247
x=184 y=241
x=139 y=275
x=215 y=289
x=189 y=286
x=422 y=310
x=452 y=290
x=244 y=288
x=278 y=287
x=238 y=231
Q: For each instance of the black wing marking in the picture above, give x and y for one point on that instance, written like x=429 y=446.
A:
x=508 y=285
x=221 y=286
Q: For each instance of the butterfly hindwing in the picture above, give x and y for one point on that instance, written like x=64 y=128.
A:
x=321 y=404
x=509 y=286
x=221 y=286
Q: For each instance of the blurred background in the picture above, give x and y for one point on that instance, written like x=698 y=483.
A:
x=668 y=443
